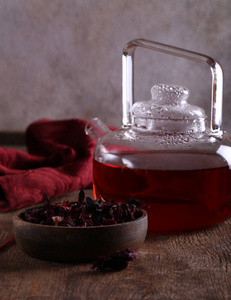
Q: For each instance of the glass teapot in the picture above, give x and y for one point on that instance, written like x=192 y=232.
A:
x=165 y=154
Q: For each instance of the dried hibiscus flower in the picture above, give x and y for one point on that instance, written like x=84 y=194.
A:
x=116 y=262
x=84 y=212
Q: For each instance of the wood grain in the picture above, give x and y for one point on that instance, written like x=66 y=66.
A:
x=186 y=266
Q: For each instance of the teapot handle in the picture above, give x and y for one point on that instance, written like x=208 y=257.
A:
x=128 y=79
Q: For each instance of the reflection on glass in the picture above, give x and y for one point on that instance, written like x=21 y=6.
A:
x=225 y=152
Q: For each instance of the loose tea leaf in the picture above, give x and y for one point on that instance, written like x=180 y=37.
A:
x=116 y=262
x=84 y=212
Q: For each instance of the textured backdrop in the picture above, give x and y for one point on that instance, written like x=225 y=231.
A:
x=62 y=59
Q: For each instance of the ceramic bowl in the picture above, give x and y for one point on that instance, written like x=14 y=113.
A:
x=77 y=244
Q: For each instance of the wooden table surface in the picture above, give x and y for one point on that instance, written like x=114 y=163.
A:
x=184 y=266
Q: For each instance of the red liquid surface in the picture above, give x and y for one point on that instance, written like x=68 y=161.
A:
x=180 y=199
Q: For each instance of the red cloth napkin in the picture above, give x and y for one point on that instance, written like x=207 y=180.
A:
x=59 y=160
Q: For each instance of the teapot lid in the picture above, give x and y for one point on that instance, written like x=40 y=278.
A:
x=168 y=111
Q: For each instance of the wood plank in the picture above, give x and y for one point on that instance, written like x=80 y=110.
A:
x=185 y=266
x=12 y=138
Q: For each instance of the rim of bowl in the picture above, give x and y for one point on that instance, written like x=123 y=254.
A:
x=18 y=212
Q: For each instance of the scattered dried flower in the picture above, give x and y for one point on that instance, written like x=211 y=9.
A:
x=116 y=262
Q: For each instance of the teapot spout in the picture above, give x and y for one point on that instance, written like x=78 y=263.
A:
x=96 y=129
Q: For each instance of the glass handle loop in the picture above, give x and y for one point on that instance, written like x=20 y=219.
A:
x=128 y=79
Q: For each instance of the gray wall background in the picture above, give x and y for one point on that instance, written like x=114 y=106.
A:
x=61 y=59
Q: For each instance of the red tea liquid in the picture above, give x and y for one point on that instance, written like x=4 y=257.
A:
x=184 y=192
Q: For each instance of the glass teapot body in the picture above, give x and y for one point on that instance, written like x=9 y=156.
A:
x=165 y=154
x=185 y=180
